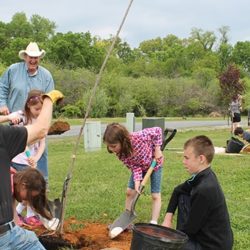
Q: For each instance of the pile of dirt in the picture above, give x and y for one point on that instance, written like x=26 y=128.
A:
x=58 y=127
x=215 y=114
x=85 y=236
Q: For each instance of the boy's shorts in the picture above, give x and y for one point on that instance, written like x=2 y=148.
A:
x=155 y=179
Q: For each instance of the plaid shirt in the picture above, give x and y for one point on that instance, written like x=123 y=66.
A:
x=143 y=143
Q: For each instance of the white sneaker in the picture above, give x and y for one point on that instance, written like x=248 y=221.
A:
x=154 y=222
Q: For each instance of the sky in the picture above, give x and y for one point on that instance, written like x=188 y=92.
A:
x=147 y=19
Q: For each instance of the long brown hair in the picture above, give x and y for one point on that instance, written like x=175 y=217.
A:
x=117 y=133
x=33 y=181
x=34 y=97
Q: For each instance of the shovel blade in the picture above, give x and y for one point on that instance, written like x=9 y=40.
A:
x=122 y=222
x=55 y=207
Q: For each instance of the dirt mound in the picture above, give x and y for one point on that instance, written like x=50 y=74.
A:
x=215 y=114
x=85 y=236
x=58 y=127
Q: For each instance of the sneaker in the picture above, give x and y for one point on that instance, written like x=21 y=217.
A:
x=33 y=221
x=154 y=222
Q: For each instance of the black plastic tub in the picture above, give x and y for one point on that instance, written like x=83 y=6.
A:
x=155 y=237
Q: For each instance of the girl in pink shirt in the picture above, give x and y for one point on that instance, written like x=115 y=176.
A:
x=136 y=151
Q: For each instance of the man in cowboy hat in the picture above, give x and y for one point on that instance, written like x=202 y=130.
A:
x=18 y=80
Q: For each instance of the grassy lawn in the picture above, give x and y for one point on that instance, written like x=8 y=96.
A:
x=97 y=190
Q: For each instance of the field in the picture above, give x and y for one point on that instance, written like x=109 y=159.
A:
x=97 y=190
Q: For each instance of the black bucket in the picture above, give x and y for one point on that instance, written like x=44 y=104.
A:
x=234 y=145
x=155 y=237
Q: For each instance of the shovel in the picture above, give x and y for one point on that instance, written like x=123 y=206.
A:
x=126 y=218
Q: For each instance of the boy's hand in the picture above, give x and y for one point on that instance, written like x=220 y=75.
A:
x=168 y=220
x=55 y=95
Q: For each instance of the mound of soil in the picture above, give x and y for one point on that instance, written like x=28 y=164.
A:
x=58 y=127
x=85 y=236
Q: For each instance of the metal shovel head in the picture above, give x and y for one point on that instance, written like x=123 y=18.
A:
x=55 y=207
x=121 y=223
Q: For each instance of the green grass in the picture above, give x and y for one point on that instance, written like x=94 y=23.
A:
x=97 y=189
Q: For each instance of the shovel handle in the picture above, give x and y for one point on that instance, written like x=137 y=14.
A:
x=148 y=174
x=143 y=183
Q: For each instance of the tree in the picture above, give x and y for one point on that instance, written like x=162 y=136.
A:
x=241 y=54
x=230 y=84
x=224 y=54
x=4 y=39
x=206 y=39
x=9 y=54
x=75 y=50
x=224 y=34
x=19 y=27
x=42 y=28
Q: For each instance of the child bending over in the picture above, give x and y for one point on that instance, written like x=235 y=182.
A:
x=136 y=151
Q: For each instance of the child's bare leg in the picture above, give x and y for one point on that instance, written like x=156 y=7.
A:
x=156 y=207
x=130 y=195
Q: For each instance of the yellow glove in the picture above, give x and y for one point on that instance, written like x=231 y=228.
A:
x=55 y=96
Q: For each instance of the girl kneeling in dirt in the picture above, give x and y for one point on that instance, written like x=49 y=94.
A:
x=136 y=151
x=28 y=185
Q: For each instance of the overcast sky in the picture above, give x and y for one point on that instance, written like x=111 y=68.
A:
x=147 y=19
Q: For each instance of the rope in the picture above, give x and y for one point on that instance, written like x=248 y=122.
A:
x=73 y=158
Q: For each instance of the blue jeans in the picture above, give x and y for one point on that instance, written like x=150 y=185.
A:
x=18 y=166
x=19 y=238
x=155 y=180
x=42 y=164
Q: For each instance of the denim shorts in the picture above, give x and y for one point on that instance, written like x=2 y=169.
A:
x=155 y=180
x=19 y=238
x=18 y=166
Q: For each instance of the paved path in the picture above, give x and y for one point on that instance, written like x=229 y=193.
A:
x=75 y=130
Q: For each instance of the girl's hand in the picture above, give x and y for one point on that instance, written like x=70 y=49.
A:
x=137 y=186
x=15 y=118
x=32 y=162
x=158 y=153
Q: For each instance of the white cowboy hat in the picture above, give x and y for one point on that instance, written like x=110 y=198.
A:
x=32 y=50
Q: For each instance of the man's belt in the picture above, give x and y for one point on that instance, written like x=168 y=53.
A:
x=6 y=227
